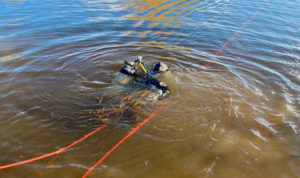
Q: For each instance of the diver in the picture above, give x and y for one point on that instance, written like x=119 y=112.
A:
x=137 y=71
x=136 y=87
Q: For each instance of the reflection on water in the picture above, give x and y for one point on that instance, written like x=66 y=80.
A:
x=13 y=20
x=10 y=57
x=161 y=45
x=167 y=12
x=238 y=117
x=164 y=17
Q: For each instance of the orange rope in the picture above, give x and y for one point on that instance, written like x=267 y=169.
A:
x=236 y=34
x=54 y=152
x=152 y=115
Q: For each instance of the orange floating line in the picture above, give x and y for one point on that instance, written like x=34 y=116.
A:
x=134 y=130
x=235 y=34
x=54 y=152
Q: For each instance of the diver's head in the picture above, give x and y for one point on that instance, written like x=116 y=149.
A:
x=160 y=67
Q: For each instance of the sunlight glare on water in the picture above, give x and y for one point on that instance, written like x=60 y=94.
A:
x=231 y=115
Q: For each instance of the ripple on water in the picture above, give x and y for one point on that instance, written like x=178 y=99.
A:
x=237 y=116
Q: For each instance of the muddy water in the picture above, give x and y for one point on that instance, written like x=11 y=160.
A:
x=236 y=115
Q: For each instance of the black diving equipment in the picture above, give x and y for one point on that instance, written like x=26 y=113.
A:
x=139 y=72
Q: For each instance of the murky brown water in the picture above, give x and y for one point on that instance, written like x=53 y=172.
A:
x=237 y=117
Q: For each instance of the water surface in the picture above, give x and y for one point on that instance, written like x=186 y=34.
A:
x=236 y=117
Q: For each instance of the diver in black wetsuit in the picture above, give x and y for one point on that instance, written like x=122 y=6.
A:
x=138 y=71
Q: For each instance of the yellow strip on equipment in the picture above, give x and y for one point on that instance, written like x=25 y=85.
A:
x=143 y=67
